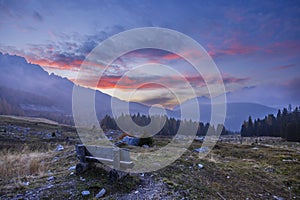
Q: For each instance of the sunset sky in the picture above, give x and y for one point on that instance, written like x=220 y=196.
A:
x=255 y=44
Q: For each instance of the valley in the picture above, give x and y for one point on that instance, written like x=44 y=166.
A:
x=32 y=167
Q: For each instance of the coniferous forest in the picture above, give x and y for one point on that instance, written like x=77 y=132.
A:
x=286 y=124
x=170 y=127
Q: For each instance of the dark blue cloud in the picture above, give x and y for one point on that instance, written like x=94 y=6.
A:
x=37 y=16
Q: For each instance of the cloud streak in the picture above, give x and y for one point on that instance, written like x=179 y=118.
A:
x=154 y=82
x=231 y=50
x=282 y=67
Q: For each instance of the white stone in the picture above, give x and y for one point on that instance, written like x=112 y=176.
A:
x=85 y=193
x=101 y=193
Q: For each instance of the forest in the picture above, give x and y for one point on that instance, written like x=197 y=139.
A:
x=286 y=125
x=170 y=128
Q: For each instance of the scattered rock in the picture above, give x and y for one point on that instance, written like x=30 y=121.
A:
x=228 y=177
x=72 y=168
x=82 y=179
x=51 y=178
x=49 y=186
x=136 y=192
x=59 y=147
x=55 y=159
x=269 y=169
x=277 y=198
x=25 y=183
x=202 y=150
x=101 y=193
x=48 y=135
x=289 y=160
x=85 y=193
x=200 y=166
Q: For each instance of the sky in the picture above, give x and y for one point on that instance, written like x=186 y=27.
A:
x=255 y=45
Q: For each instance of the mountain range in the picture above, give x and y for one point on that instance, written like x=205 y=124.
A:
x=30 y=90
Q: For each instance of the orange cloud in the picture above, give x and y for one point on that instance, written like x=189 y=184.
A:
x=125 y=82
x=56 y=64
x=171 y=56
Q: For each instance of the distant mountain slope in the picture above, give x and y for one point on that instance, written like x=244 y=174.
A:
x=238 y=112
x=31 y=85
x=235 y=115
x=29 y=88
x=30 y=119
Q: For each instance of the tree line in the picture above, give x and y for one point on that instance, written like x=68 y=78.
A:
x=9 y=109
x=286 y=125
x=170 y=127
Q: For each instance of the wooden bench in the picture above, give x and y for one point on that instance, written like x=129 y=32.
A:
x=116 y=158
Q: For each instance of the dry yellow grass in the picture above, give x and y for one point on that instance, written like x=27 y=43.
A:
x=20 y=164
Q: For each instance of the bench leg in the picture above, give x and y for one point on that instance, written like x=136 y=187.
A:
x=81 y=167
x=113 y=175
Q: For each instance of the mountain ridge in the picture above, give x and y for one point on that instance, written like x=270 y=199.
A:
x=36 y=90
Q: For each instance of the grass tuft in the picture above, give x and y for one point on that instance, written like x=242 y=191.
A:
x=21 y=164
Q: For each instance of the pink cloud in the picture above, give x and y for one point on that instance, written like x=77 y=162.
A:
x=282 y=67
x=291 y=47
x=231 y=49
x=128 y=83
